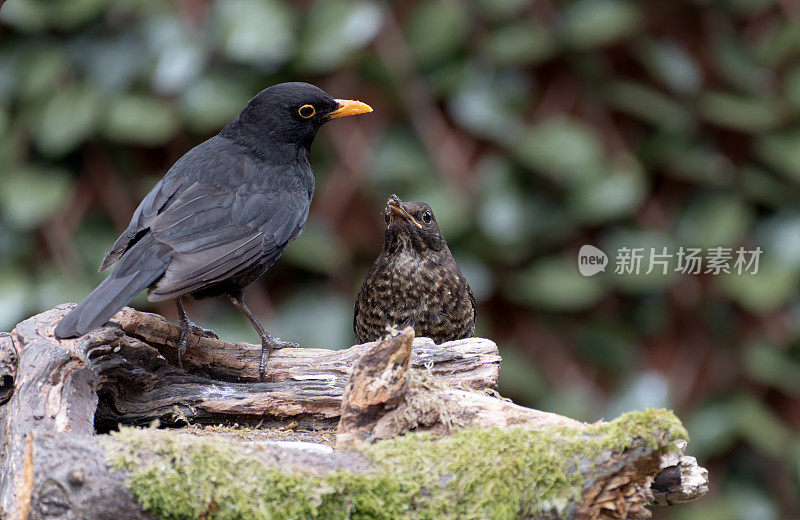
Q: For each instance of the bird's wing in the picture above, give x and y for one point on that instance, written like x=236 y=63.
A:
x=159 y=197
x=216 y=233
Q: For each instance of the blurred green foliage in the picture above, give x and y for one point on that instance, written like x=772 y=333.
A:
x=532 y=128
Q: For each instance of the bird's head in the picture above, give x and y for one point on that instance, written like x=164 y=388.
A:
x=291 y=113
x=411 y=224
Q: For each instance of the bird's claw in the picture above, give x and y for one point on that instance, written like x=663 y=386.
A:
x=205 y=333
x=279 y=343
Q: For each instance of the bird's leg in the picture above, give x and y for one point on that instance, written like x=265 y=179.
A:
x=267 y=342
x=186 y=324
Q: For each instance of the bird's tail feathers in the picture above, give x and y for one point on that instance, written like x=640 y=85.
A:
x=111 y=295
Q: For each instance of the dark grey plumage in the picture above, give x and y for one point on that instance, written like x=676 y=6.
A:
x=223 y=214
x=414 y=281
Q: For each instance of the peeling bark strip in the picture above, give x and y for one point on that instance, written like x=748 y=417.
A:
x=385 y=397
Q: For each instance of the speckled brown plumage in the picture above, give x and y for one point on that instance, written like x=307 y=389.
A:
x=414 y=281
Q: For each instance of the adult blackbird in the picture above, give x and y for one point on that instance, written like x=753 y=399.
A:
x=414 y=281
x=222 y=215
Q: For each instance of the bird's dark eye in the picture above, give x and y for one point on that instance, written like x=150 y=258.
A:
x=427 y=217
x=387 y=217
x=306 y=111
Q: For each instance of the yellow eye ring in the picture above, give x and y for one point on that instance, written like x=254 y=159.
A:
x=306 y=111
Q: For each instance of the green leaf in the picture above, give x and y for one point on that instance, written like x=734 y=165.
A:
x=210 y=103
x=180 y=54
x=30 y=16
x=760 y=426
x=400 y=163
x=671 y=64
x=519 y=44
x=491 y=107
x=712 y=220
x=68 y=118
x=781 y=43
x=791 y=87
x=501 y=9
x=612 y=196
x=31 y=196
x=772 y=287
x=505 y=215
x=781 y=151
x=738 y=64
x=42 y=68
x=687 y=159
x=778 y=235
x=772 y=366
x=69 y=14
x=650 y=105
x=437 y=30
x=742 y=113
x=566 y=150
x=592 y=23
x=334 y=30
x=554 y=283
x=761 y=186
x=259 y=32
x=713 y=428
x=140 y=120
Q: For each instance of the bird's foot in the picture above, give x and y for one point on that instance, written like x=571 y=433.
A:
x=188 y=326
x=267 y=346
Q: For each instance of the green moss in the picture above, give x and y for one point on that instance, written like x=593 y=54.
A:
x=475 y=473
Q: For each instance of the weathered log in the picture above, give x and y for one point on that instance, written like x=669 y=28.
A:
x=472 y=363
x=385 y=397
x=304 y=384
x=107 y=377
x=57 y=392
x=601 y=472
x=47 y=427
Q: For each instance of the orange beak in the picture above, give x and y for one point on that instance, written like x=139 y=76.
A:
x=349 y=107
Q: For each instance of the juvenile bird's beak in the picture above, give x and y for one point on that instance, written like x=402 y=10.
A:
x=349 y=107
x=399 y=212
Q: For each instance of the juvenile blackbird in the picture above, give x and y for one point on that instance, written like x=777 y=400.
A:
x=414 y=281
x=222 y=215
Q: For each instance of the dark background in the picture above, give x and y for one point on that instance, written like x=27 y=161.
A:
x=532 y=128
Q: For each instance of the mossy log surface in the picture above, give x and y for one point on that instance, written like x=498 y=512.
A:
x=548 y=472
x=528 y=464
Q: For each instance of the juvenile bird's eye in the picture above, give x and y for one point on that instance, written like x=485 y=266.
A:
x=306 y=111
x=387 y=217
x=427 y=217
